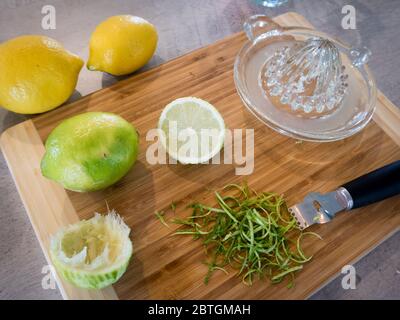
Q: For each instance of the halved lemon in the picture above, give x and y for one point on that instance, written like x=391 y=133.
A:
x=92 y=253
x=193 y=130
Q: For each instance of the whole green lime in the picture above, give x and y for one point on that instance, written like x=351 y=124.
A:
x=90 y=151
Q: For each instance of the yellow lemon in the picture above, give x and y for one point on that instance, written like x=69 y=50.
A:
x=122 y=44
x=37 y=74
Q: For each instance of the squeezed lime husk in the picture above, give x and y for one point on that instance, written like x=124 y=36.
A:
x=94 y=253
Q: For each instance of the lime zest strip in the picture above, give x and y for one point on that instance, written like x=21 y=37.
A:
x=160 y=216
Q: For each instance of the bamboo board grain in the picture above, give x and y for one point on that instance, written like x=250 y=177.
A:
x=166 y=267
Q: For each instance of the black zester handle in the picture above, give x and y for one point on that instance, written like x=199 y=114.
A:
x=375 y=186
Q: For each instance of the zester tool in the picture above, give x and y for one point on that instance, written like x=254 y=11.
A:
x=362 y=191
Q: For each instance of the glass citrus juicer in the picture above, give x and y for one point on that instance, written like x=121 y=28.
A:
x=304 y=83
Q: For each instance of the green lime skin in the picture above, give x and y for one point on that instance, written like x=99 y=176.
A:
x=90 y=151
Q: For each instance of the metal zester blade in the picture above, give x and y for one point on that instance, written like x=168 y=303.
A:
x=321 y=208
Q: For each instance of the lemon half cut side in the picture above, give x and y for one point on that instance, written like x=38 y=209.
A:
x=193 y=131
x=94 y=253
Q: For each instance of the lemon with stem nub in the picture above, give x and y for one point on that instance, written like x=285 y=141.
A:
x=36 y=74
x=92 y=253
x=121 y=45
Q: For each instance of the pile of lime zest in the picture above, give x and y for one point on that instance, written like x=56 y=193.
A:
x=250 y=232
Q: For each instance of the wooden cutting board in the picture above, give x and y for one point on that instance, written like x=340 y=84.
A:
x=170 y=267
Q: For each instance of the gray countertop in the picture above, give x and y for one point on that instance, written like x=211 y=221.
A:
x=183 y=26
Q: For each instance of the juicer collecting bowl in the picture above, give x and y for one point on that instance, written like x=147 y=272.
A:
x=304 y=83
